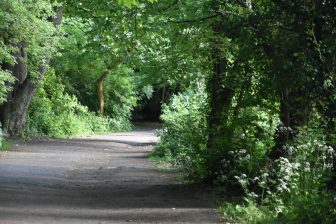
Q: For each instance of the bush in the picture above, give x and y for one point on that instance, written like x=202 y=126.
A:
x=184 y=133
x=242 y=150
x=120 y=97
x=294 y=190
x=246 y=212
x=287 y=190
x=54 y=113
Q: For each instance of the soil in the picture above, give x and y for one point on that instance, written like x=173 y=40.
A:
x=99 y=179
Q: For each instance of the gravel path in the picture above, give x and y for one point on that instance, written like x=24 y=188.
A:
x=98 y=179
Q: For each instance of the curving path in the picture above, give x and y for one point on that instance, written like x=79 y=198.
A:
x=98 y=179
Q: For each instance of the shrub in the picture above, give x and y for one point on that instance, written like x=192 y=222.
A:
x=120 y=97
x=294 y=190
x=54 y=113
x=242 y=151
x=286 y=190
x=246 y=212
x=184 y=133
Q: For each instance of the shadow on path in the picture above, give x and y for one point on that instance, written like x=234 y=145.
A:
x=97 y=179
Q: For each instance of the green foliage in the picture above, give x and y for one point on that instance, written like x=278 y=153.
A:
x=247 y=137
x=5 y=78
x=26 y=24
x=246 y=212
x=80 y=64
x=120 y=93
x=294 y=189
x=184 y=134
x=57 y=114
x=269 y=69
x=6 y=144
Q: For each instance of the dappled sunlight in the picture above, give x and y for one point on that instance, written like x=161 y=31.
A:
x=101 y=179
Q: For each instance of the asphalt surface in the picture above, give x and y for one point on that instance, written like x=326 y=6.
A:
x=99 y=179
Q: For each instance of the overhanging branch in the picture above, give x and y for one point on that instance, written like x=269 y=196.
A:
x=194 y=20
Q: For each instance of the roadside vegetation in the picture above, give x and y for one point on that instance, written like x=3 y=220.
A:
x=245 y=90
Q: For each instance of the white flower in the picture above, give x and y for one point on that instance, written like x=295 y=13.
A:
x=256 y=179
x=330 y=149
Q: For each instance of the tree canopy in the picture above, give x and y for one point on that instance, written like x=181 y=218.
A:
x=245 y=89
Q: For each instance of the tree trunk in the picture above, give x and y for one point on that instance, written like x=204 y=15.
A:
x=295 y=110
x=100 y=92
x=163 y=97
x=220 y=102
x=284 y=132
x=220 y=94
x=14 y=111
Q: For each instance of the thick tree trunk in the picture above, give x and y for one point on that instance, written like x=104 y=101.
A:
x=220 y=93
x=220 y=96
x=100 y=92
x=220 y=102
x=9 y=117
x=284 y=133
x=14 y=111
x=295 y=110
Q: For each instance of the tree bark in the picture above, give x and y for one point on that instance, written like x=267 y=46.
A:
x=220 y=94
x=284 y=132
x=15 y=110
x=220 y=102
x=100 y=92
x=295 y=110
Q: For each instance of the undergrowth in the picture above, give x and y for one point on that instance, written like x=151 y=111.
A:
x=183 y=135
x=289 y=189
x=54 y=113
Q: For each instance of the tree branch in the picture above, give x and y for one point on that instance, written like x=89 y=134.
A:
x=194 y=20
x=221 y=13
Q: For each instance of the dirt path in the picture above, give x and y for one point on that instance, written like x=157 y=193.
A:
x=99 y=179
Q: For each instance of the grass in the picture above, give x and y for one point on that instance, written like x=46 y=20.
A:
x=6 y=144
x=165 y=165
x=248 y=212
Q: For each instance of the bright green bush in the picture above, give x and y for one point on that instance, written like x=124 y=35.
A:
x=120 y=93
x=184 y=136
x=184 y=133
x=57 y=114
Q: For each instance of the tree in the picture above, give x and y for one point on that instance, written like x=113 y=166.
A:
x=29 y=31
